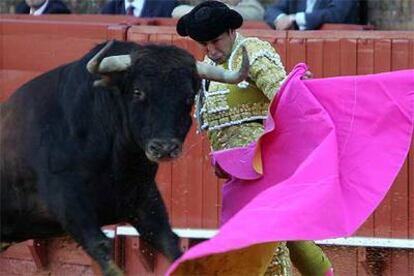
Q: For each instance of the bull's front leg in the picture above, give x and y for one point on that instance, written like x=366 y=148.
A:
x=151 y=221
x=73 y=204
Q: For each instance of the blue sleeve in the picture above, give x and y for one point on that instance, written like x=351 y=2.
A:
x=273 y=11
x=337 y=11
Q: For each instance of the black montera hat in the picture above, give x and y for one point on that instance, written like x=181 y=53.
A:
x=208 y=20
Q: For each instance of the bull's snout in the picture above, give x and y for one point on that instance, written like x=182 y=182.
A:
x=163 y=149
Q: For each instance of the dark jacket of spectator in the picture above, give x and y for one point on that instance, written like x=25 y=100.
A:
x=151 y=8
x=324 y=11
x=53 y=6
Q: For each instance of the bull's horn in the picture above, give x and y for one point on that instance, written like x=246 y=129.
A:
x=215 y=73
x=99 y=65
x=115 y=64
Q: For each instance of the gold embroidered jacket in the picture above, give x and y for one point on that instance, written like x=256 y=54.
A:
x=226 y=105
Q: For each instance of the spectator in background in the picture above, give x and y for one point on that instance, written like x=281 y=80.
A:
x=248 y=9
x=311 y=14
x=39 y=7
x=140 y=8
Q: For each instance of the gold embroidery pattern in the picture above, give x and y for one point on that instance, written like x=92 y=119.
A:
x=235 y=136
x=266 y=75
x=266 y=68
x=235 y=115
x=280 y=264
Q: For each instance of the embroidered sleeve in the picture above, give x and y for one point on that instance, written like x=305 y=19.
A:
x=267 y=75
x=266 y=68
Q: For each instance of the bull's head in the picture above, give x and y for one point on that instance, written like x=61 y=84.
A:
x=158 y=85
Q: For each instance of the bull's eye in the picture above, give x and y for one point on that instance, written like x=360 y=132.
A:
x=139 y=94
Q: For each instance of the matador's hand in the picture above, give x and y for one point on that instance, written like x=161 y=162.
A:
x=308 y=75
x=220 y=173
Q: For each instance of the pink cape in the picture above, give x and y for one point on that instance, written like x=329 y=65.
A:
x=330 y=152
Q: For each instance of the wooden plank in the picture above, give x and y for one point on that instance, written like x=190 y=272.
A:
x=280 y=45
x=54 y=44
x=163 y=181
x=410 y=262
x=187 y=184
x=411 y=53
x=11 y=80
x=382 y=218
x=296 y=53
x=132 y=264
x=331 y=64
x=136 y=36
x=411 y=191
x=343 y=259
x=399 y=193
x=161 y=38
x=378 y=261
x=348 y=57
x=314 y=57
x=383 y=214
x=179 y=203
x=365 y=56
x=118 y=32
x=367 y=229
x=382 y=55
x=400 y=54
x=400 y=263
x=221 y=183
x=194 y=165
x=211 y=201
x=373 y=35
x=400 y=58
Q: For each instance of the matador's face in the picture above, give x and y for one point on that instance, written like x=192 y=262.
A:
x=219 y=49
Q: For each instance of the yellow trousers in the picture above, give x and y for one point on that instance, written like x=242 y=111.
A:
x=261 y=259
x=247 y=261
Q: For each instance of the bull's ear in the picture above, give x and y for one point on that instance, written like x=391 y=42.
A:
x=105 y=81
x=113 y=79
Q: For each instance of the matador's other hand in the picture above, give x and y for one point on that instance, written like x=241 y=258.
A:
x=308 y=75
x=220 y=173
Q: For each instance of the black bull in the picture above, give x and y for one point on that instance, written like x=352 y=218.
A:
x=79 y=149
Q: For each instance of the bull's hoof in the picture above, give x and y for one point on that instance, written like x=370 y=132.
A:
x=113 y=270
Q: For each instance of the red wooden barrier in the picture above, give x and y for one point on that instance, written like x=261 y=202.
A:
x=85 y=18
x=346 y=27
x=172 y=22
x=30 y=47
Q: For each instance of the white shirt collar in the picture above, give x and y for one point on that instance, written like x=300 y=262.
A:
x=138 y=5
x=310 y=4
x=40 y=10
